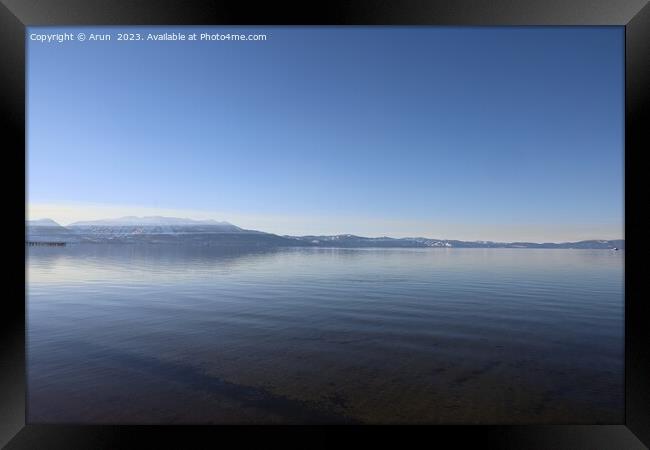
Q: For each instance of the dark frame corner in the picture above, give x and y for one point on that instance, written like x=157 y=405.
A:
x=634 y=15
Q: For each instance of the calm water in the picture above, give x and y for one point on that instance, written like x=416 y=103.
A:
x=153 y=334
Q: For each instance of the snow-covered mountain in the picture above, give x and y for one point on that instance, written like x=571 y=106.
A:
x=47 y=230
x=42 y=223
x=130 y=225
x=150 y=221
x=352 y=241
x=173 y=230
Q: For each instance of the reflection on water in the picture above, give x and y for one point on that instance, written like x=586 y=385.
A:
x=172 y=334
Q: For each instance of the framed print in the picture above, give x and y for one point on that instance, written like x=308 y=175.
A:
x=353 y=215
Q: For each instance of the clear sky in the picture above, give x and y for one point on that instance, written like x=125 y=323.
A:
x=459 y=133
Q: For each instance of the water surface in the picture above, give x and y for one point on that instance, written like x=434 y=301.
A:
x=172 y=334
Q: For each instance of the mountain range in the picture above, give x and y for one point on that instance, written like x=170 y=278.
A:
x=172 y=230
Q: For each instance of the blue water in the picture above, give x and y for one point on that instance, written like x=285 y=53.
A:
x=171 y=334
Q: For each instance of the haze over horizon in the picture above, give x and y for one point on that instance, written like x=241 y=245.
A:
x=131 y=219
x=496 y=134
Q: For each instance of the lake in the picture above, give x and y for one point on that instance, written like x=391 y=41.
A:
x=184 y=334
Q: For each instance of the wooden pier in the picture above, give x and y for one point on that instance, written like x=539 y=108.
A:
x=48 y=244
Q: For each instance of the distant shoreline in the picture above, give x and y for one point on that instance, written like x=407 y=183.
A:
x=324 y=247
x=158 y=230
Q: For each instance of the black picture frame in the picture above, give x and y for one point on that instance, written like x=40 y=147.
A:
x=634 y=15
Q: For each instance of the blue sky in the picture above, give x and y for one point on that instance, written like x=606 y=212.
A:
x=460 y=133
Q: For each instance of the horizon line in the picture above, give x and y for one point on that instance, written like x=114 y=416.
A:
x=321 y=235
